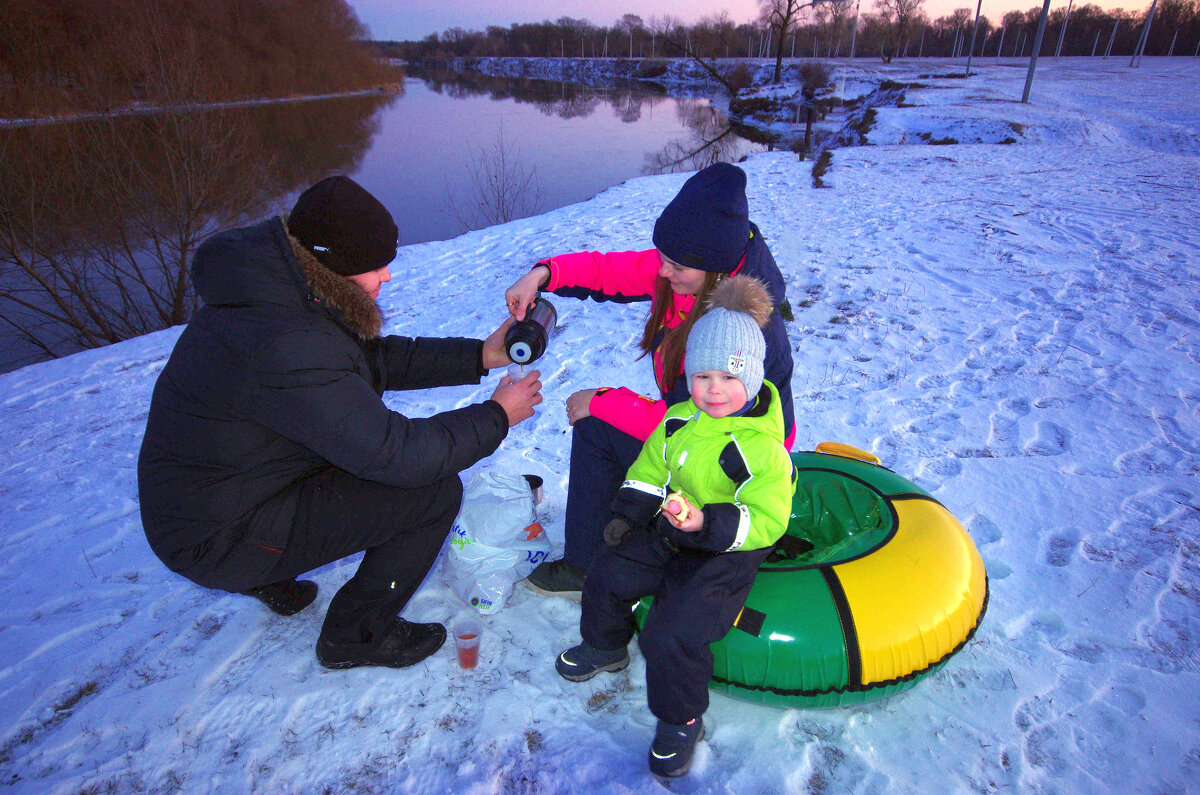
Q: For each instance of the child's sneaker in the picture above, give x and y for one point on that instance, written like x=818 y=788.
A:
x=673 y=747
x=582 y=662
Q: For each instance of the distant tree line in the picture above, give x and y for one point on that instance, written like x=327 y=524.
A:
x=897 y=28
x=65 y=56
x=1090 y=30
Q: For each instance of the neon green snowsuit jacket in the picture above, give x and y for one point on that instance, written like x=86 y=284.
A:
x=735 y=469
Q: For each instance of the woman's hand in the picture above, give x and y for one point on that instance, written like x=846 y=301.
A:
x=524 y=291
x=579 y=405
x=494 y=353
x=682 y=514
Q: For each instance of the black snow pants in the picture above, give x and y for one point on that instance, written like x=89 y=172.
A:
x=600 y=457
x=337 y=515
x=697 y=597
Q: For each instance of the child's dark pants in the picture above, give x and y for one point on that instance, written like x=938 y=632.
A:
x=697 y=596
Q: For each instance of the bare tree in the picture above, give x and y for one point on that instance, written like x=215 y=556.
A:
x=899 y=16
x=671 y=30
x=713 y=140
x=630 y=23
x=95 y=248
x=501 y=188
x=832 y=17
x=782 y=16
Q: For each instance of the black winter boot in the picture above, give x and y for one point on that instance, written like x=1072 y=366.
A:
x=401 y=644
x=582 y=662
x=673 y=747
x=557 y=578
x=286 y=598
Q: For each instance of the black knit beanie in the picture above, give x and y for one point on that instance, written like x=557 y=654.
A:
x=345 y=227
x=707 y=225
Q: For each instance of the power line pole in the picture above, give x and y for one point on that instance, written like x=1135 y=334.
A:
x=854 y=33
x=1136 y=60
x=974 y=28
x=1063 y=33
x=1037 y=46
x=1112 y=37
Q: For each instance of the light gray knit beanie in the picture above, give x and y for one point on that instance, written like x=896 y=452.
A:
x=728 y=336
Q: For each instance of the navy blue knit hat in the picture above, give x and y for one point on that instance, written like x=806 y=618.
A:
x=707 y=225
x=346 y=227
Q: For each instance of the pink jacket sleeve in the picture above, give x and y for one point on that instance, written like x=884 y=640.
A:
x=617 y=273
x=627 y=274
x=626 y=410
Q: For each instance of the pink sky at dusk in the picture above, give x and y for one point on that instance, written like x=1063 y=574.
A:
x=414 y=19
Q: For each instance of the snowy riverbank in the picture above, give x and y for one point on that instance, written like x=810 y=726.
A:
x=1013 y=326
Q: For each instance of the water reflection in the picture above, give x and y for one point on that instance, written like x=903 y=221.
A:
x=712 y=138
x=99 y=218
x=552 y=98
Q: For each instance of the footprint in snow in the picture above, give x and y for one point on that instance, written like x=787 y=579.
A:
x=1060 y=547
x=1050 y=440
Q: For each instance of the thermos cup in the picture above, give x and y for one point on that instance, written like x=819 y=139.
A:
x=526 y=340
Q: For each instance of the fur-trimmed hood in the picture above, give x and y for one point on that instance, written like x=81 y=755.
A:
x=263 y=264
x=357 y=308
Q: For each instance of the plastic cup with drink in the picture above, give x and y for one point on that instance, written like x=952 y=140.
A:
x=467 y=632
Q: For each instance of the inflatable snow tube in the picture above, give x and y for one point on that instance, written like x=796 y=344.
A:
x=873 y=588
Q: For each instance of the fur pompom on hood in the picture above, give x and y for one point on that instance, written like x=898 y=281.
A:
x=743 y=294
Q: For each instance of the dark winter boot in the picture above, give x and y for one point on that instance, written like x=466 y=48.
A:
x=582 y=662
x=557 y=578
x=401 y=644
x=286 y=598
x=673 y=747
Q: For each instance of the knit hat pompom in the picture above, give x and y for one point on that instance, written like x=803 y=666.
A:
x=344 y=226
x=743 y=294
x=707 y=225
x=728 y=336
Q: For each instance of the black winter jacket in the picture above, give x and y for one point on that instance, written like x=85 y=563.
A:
x=278 y=377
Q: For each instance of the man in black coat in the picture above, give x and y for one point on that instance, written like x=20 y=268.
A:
x=268 y=449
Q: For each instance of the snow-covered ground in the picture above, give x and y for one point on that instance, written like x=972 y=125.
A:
x=1014 y=327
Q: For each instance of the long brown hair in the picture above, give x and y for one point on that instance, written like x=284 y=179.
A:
x=675 y=341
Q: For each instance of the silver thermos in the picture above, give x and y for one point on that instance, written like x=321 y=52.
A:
x=526 y=340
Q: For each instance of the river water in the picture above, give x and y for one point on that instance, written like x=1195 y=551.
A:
x=91 y=202
x=574 y=141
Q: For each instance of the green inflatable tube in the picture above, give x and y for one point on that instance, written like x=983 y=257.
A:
x=875 y=586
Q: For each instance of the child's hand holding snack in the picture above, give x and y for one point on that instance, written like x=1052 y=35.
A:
x=682 y=514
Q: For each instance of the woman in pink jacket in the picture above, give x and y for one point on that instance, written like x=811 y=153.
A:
x=702 y=236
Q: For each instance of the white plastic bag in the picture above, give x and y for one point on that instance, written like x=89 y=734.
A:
x=496 y=540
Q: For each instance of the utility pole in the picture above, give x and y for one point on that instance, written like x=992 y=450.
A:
x=1063 y=33
x=974 y=29
x=854 y=33
x=1112 y=37
x=1136 y=60
x=1037 y=46
x=1000 y=49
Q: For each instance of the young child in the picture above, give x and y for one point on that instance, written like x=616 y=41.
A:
x=706 y=499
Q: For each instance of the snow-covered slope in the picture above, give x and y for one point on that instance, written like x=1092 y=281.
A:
x=1015 y=327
